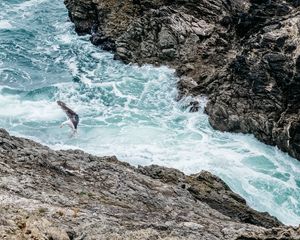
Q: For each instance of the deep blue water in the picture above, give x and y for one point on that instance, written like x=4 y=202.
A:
x=125 y=110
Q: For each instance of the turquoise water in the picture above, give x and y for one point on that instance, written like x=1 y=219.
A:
x=125 y=110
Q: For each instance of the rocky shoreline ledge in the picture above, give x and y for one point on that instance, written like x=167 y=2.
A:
x=244 y=55
x=60 y=195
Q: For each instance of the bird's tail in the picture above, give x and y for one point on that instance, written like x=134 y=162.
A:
x=74 y=133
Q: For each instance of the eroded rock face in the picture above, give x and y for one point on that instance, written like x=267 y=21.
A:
x=46 y=194
x=264 y=92
x=243 y=54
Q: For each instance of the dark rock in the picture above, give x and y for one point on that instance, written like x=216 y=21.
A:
x=194 y=106
x=106 y=43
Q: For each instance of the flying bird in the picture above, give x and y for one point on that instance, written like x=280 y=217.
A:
x=73 y=118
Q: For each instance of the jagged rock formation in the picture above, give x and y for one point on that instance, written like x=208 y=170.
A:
x=61 y=195
x=244 y=55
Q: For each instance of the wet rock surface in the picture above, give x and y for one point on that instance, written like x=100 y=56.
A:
x=47 y=194
x=244 y=55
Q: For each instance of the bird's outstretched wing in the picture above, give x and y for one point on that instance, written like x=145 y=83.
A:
x=73 y=116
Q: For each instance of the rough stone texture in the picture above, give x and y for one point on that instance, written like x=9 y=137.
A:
x=47 y=194
x=244 y=55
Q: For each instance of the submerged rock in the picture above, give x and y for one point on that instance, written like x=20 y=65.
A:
x=47 y=194
x=243 y=54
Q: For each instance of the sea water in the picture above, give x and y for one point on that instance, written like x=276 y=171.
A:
x=125 y=110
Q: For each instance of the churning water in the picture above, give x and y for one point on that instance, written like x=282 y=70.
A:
x=125 y=110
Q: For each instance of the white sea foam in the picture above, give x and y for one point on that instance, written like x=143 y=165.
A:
x=65 y=38
x=5 y=24
x=24 y=110
x=29 y=3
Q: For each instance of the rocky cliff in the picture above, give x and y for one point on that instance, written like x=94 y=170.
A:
x=244 y=55
x=61 y=195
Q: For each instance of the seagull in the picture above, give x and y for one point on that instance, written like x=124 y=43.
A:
x=73 y=118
